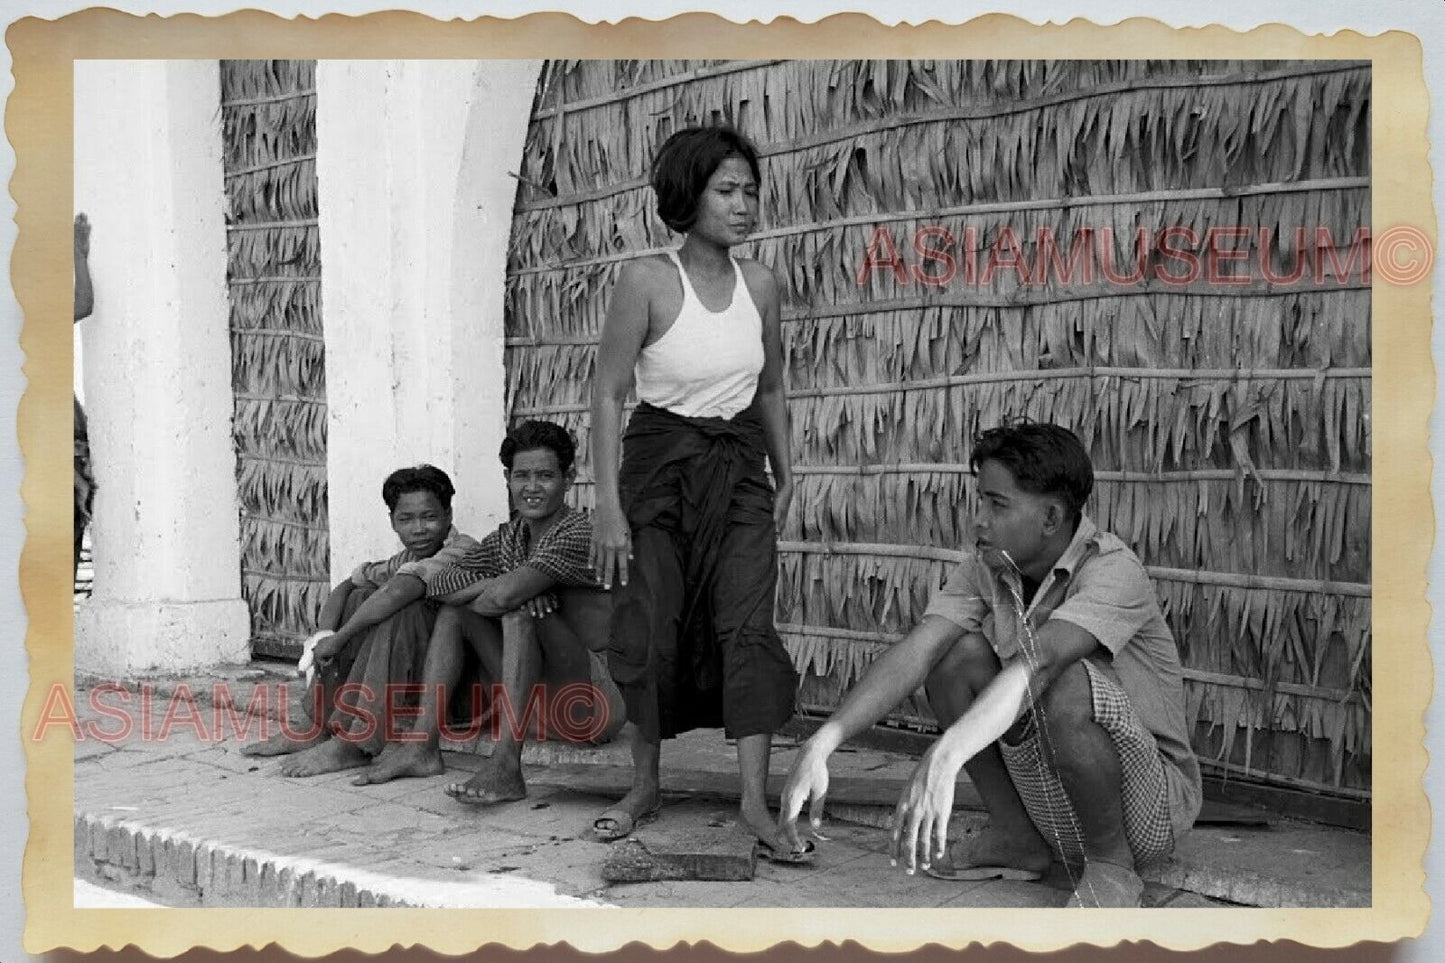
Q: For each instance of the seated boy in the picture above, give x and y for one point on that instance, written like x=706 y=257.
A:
x=1070 y=725
x=379 y=626
x=528 y=603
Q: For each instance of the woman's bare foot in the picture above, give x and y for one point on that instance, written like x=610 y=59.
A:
x=640 y=803
x=493 y=783
x=281 y=744
x=333 y=755
x=398 y=760
x=763 y=825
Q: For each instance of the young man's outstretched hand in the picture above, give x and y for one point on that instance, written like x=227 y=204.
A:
x=924 y=809
x=921 y=817
x=808 y=780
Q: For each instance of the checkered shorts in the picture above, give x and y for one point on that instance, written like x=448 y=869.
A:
x=1146 y=801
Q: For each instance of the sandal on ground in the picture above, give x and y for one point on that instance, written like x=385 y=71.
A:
x=623 y=823
x=958 y=865
x=785 y=857
x=1106 y=885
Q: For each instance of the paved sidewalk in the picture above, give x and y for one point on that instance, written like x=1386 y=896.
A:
x=185 y=821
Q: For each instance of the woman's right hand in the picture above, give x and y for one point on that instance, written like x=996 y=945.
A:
x=611 y=545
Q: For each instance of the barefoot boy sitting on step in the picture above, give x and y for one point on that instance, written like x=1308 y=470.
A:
x=375 y=627
x=1057 y=684
x=527 y=602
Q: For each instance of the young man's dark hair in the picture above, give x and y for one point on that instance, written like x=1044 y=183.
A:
x=422 y=478
x=1044 y=459
x=530 y=435
x=683 y=164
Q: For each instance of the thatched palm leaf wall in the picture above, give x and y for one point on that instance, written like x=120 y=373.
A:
x=277 y=360
x=1229 y=423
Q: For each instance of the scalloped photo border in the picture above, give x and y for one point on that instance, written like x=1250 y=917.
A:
x=38 y=121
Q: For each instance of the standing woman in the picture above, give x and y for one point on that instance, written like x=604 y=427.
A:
x=687 y=526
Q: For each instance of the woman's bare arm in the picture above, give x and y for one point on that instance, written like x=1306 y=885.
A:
x=623 y=332
x=772 y=399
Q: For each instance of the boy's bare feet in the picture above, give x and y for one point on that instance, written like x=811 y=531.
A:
x=400 y=760
x=333 y=755
x=495 y=782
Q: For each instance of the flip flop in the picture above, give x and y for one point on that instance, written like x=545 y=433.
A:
x=947 y=868
x=764 y=851
x=623 y=823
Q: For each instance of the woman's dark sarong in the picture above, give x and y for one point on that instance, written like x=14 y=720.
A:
x=376 y=673
x=693 y=643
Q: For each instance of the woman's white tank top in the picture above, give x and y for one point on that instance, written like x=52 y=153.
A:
x=707 y=364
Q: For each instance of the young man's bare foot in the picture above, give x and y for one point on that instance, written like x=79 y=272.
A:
x=639 y=805
x=493 y=783
x=281 y=744
x=333 y=755
x=399 y=760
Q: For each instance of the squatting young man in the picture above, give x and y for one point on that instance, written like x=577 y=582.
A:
x=1072 y=727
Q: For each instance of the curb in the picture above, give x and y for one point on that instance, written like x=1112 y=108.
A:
x=181 y=869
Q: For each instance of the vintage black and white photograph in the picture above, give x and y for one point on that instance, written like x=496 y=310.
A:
x=928 y=484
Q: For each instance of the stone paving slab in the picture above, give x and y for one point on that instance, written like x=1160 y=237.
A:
x=726 y=860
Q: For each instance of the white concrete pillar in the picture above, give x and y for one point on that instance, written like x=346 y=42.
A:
x=413 y=167
x=158 y=373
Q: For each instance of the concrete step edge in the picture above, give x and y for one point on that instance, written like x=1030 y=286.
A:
x=177 y=865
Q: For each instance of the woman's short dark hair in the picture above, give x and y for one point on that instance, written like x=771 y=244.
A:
x=1043 y=458
x=531 y=435
x=682 y=165
x=422 y=478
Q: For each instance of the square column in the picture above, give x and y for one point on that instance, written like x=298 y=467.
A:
x=415 y=213
x=158 y=371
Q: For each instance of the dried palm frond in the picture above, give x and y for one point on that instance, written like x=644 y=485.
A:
x=278 y=373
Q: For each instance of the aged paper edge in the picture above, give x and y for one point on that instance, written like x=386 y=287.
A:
x=38 y=123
